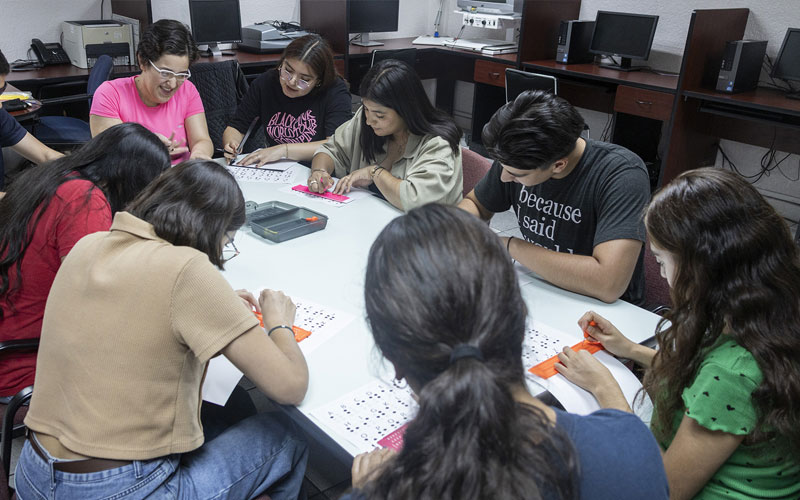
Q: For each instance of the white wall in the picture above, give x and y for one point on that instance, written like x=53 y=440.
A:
x=39 y=19
x=42 y=18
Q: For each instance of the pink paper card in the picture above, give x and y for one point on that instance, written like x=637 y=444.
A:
x=394 y=440
x=327 y=194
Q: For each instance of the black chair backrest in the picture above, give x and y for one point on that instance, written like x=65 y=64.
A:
x=221 y=86
x=518 y=82
x=408 y=56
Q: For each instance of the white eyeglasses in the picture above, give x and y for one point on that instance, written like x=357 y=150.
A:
x=288 y=77
x=166 y=74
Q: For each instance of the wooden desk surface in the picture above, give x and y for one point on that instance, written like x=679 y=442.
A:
x=761 y=99
x=643 y=79
x=405 y=43
x=68 y=73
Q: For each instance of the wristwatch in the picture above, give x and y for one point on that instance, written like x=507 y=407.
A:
x=374 y=171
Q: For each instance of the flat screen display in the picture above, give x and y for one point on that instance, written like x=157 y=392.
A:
x=215 y=21
x=373 y=16
x=787 y=66
x=623 y=34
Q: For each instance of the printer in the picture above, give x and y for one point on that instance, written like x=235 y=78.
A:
x=263 y=38
x=85 y=41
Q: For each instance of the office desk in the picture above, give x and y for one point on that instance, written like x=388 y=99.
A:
x=327 y=267
x=34 y=79
x=641 y=103
x=29 y=113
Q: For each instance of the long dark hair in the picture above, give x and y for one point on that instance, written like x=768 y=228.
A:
x=437 y=278
x=395 y=84
x=120 y=162
x=533 y=131
x=738 y=273
x=195 y=204
x=313 y=50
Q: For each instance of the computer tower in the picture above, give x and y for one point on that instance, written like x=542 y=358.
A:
x=741 y=65
x=574 y=38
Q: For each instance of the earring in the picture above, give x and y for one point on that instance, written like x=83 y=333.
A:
x=400 y=384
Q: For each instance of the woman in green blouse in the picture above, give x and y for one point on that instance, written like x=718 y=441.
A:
x=726 y=379
x=397 y=144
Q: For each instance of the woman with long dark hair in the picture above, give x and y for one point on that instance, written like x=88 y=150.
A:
x=47 y=210
x=160 y=97
x=299 y=105
x=445 y=309
x=726 y=379
x=397 y=144
x=146 y=307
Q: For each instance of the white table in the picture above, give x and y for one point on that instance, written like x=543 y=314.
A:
x=327 y=267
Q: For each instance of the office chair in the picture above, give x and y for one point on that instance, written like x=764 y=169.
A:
x=474 y=167
x=518 y=81
x=221 y=86
x=14 y=412
x=5 y=493
x=66 y=131
x=408 y=56
x=656 y=288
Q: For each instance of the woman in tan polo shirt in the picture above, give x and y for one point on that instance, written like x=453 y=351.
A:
x=397 y=144
x=132 y=319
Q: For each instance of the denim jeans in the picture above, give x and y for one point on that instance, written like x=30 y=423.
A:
x=261 y=454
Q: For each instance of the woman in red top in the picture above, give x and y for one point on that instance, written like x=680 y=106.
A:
x=46 y=211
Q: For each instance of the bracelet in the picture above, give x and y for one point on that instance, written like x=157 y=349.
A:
x=286 y=145
x=320 y=170
x=508 y=245
x=374 y=171
x=279 y=327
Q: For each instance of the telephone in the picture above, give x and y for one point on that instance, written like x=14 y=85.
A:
x=49 y=53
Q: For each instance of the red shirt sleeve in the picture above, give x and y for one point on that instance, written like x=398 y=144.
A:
x=79 y=216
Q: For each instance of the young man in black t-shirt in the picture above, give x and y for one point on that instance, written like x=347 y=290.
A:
x=579 y=203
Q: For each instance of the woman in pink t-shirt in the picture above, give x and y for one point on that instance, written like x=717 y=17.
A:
x=46 y=211
x=160 y=97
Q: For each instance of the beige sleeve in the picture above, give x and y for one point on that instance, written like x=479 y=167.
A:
x=343 y=146
x=434 y=176
x=205 y=312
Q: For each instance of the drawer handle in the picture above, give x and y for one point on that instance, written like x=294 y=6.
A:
x=644 y=103
x=495 y=75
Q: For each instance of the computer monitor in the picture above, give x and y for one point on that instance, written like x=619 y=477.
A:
x=628 y=36
x=503 y=7
x=372 y=16
x=215 y=22
x=787 y=65
x=135 y=12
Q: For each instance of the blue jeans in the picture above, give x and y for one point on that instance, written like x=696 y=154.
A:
x=261 y=454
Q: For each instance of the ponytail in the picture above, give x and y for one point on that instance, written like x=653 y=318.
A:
x=444 y=307
x=471 y=440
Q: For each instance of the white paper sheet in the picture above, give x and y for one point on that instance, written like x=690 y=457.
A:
x=249 y=174
x=576 y=400
x=279 y=166
x=364 y=416
x=221 y=379
x=322 y=321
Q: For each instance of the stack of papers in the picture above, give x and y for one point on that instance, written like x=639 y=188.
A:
x=474 y=44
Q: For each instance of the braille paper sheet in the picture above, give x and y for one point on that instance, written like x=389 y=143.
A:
x=368 y=414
